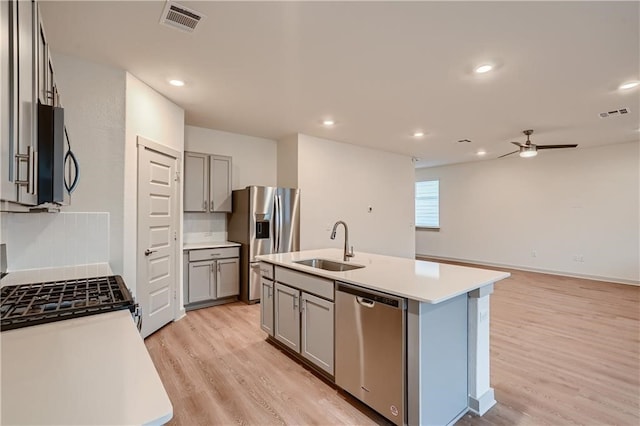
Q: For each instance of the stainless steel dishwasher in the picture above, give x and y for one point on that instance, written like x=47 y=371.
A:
x=370 y=349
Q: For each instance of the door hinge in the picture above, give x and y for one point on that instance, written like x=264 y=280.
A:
x=175 y=235
x=177 y=176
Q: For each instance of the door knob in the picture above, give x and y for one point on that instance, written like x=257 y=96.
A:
x=147 y=252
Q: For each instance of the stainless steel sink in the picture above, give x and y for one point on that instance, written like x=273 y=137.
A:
x=328 y=265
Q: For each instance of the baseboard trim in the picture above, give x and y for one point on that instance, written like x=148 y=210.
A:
x=529 y=269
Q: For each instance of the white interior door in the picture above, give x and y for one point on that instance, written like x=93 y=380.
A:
x=158 y=226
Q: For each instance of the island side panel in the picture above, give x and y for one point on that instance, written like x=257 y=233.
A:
x=437 y=361
x=481 y=395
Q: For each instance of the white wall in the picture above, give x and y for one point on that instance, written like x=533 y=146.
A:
x=254 y=163
x=154 y=117
x=288 y=162
x=93 y=97
x=339 y=181
x=560 y=204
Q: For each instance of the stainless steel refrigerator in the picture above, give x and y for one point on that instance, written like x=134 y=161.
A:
x=264 y=220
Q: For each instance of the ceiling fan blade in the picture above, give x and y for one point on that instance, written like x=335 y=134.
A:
x=517 y=143
x=557 y=146
x=509 y=153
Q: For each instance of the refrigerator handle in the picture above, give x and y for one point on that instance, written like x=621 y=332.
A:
x=276 y=237
x=280 y=222
x=274 y=224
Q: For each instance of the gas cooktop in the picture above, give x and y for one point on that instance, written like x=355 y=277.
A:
x=31 y=304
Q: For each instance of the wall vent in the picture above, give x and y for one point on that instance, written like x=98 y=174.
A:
x=613 y=113
x=180 y=17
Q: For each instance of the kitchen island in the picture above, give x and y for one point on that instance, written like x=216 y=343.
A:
x=446 y=332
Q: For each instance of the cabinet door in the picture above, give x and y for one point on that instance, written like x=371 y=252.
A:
x=317 y=331
x=201 y=286
x=227 y=280
x=195 y=182
x=266 y=306
x=7 y=99
x=220 y=184
x=287 y=316
x=26 y=105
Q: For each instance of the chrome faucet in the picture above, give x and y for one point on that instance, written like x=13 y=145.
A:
x=347 y=253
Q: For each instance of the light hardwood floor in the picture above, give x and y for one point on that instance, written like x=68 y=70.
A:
x=564 y=351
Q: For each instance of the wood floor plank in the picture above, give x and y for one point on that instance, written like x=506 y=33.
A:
x=564 y=351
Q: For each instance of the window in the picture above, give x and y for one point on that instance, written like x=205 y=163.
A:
x=428 y=204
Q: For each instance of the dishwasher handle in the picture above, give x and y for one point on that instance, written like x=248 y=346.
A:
x=367 y=303
x=369 y=298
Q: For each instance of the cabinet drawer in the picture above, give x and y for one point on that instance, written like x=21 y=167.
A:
x=217 y=253
x=322 y=287
x=266 y=270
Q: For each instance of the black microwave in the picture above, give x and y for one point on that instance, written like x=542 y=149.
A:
x=50 y=154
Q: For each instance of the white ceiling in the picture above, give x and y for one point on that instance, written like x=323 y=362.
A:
x=381 y=69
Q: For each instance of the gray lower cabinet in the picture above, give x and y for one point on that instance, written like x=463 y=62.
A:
x=302 y=321
x=287 y=316
x=201 y=281
x=317 y=331
x=213 y=275
x=227 y=278
x=266 y=306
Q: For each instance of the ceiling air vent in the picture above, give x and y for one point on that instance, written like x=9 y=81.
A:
x=180 y=17
x=615 y=112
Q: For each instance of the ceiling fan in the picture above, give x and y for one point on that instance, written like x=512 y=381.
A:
x=529 y=149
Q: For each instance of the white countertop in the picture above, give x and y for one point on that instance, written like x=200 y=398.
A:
x=83 y=371
x=210 y=244
x=420 y=280
x=28 y=276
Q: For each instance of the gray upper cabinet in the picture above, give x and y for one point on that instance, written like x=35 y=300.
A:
x=220 y=183
x=207 y=183
x=195 y=182
x=27 y=77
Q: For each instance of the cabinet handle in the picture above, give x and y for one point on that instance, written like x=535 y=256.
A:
x=27 y=159
x=295 y=302
x=211 y=207
x=303 y=305
x=269 y=292
x=204 y=206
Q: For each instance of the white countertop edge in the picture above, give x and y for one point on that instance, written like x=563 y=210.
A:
x=209 y=244
x=162 y=420
x=359 y=277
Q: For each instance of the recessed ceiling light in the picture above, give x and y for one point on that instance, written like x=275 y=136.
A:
x=418 y=134
x=177 y=83
x=483 y=68
x=629 y=85
x=481 y=152
x=328 y=122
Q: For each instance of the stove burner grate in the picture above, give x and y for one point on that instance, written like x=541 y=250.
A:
x=31 y=304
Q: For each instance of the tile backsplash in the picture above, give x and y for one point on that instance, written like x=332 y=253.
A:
x=200 y=227
x=47 y=240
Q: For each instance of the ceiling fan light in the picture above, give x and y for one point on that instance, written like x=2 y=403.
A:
x=527 y=152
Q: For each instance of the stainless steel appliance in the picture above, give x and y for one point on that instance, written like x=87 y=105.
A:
x=370 y=349
x=31 y=304
x=265 y=220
